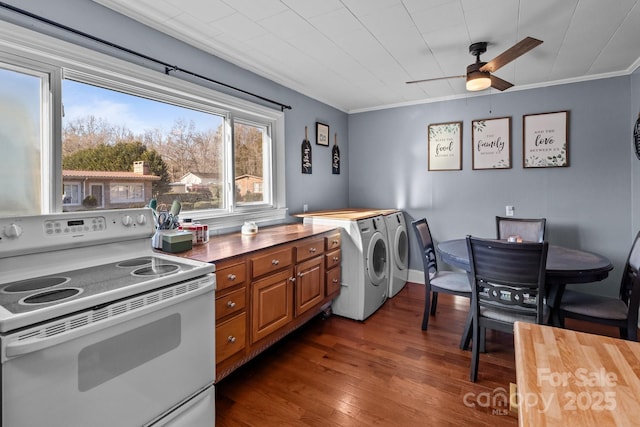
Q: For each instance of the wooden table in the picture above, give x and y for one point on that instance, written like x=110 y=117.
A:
x=564 y=266
x=569 y=378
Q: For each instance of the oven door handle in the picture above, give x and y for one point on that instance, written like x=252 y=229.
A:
x=30 y=345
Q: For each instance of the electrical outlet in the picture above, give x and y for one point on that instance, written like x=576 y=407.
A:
x=509 y=210
x=305 y=207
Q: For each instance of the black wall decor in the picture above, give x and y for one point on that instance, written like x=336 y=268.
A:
x=306 y=153
x=335 y=156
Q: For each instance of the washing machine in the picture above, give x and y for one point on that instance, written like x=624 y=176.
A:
x=365 y=257
x=398 y=251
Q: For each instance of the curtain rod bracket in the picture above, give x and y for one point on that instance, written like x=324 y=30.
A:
x=167 y=69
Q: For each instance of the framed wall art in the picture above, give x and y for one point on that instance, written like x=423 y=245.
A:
x=545 y=139
x=322 y=134
x=491 y=143
x=444 y=146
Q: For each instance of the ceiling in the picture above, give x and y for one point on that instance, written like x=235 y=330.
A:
x=356 y=55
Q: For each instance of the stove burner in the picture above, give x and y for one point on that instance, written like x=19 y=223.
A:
x=135 y=262
x=157 y=270
x=51 y=296
x=35 y=284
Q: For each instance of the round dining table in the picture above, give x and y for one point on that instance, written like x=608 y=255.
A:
x=564 y=266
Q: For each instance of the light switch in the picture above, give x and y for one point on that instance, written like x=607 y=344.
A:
x=509 y=210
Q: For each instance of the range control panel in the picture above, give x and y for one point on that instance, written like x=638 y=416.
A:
x=41 y=233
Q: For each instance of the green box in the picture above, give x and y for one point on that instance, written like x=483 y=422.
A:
x=177 y=241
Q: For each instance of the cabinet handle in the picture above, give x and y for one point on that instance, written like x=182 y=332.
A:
x=300 y=274
x=231 y=304
x=312 y=250
x=292 y=279
x=335 y=259
x=231 y=339
x=231 y=276
x=335 y=242
x=275 y=262
x=335 y=280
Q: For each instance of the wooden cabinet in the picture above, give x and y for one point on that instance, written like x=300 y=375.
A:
x=271 y=304
x=309 y=282
x=268 y=285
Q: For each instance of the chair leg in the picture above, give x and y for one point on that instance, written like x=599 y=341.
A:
x=427 y=300
x=624 y=333
x=468 y=331
x=434 y=302
x=483 y=340
x=475 y=354
x=632 y=333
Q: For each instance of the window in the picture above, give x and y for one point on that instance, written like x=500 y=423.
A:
x=71 y=194
x=20 y=139
x=126 y=193
x=125 y=133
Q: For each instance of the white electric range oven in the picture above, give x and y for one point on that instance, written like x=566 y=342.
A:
x=96 y=329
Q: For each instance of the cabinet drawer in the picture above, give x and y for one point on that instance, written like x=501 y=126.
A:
x=231 y=337
x=230 y=303
x=230 y=276
x=332 y=259
x=309 y=248
x=333 y=281
x=272 y=261
x=332 y=241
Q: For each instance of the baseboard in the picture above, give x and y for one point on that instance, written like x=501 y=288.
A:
x=416 y=276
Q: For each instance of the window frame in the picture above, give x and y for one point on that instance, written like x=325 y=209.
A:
x=61 y=59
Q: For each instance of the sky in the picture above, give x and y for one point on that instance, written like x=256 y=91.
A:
x=137 y=114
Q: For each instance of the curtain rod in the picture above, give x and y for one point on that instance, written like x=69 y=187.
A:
x=167 y=67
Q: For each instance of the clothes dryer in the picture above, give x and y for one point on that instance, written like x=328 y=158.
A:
x=398 y=251
x=365 y=257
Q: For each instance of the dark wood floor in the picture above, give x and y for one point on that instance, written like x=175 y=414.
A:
x=384 y=371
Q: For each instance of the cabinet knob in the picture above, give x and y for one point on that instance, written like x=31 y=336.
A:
x=335 y=242
x=231 y=277
x=300 y=274
x=231 y=304
x=335 y=280
x=335 y=259
x=231 y=339
x=275 y=262
x=292 y=279
x=312 y=250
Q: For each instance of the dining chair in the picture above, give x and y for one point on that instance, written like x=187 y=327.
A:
x=437 y=281
x=508 y=284
x=621 y=311
x=530 y=229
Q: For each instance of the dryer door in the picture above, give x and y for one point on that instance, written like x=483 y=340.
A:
x=377 y=259
x=401 y=245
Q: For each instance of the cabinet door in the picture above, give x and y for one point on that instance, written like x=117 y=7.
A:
x=309 y=284
x=271 y=304
x=333 y=281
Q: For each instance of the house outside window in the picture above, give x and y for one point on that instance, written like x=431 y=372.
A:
x=71 y=195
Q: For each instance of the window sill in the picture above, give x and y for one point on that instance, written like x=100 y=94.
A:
x=225 y=223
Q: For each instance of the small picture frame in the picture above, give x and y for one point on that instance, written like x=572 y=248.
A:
x=322 y=134
x=444 y=141
x=545 y=139
x=491 y=143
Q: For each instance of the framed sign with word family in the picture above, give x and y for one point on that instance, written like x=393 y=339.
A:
x=445 y=146
x=491 y=139
x=545 y=139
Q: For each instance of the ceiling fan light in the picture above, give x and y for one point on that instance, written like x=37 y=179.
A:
x=478 y=80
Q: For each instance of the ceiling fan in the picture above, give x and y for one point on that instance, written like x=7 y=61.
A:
x=479 y=75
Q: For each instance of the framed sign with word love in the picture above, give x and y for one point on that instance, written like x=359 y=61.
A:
x=545 y=139
x=491 y=140
x=444 y=146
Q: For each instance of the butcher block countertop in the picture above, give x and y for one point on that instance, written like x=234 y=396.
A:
x=229 y=245
x=569 y=378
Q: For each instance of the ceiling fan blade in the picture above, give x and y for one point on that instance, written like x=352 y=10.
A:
x=498 y=83
x=518 y=49
x=435 y=78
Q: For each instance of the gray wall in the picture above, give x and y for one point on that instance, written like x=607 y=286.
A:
x=318 y=190
x=588 y=205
